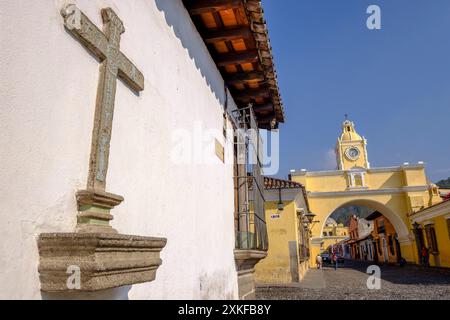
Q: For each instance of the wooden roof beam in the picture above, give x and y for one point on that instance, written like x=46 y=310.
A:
x=233 y=58
x=239 y=77
x=228 y=34
x=210 y=6
x=249 y=94
x=263 y=107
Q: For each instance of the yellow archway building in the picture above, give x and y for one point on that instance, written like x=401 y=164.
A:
x=393 y=191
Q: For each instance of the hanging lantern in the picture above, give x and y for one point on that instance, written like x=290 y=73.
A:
x=280 y=202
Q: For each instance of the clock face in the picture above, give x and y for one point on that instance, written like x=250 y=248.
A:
x=352 y=153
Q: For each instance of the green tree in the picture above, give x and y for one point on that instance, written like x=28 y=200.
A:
x=343 y=215
x=444 y=183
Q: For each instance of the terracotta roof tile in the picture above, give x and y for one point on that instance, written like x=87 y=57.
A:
x=273 y=183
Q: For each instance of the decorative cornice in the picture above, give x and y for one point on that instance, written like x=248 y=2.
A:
x=367 y=192
x=98 y=198
x=369 y=170
x=437 y=210
x=416 y=188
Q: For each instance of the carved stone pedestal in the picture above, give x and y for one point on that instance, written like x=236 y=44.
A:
x=94 y=211
x=245 y=264
x=102 y=260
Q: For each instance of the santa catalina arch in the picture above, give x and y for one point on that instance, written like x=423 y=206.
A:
x=395 y=192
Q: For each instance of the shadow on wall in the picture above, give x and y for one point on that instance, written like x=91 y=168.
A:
x=174 y=12
x=120 y=293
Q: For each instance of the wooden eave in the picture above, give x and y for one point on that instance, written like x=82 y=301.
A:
x=236 y=35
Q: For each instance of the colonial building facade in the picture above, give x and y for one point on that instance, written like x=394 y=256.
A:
x=288 y=255
x=360 y=242
x=432 y=231
x=392 y=191
x=333 y=233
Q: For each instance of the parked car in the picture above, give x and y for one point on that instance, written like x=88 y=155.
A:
x=326 y=258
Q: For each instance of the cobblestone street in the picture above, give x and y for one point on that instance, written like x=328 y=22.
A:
x=349 y=283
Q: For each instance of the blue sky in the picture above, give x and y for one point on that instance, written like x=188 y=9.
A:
x=394 y=83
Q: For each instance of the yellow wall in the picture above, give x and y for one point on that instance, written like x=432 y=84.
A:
x=415 y=177
x=384 y=180
x=276 y=267
x=337 y=180
x=438 y=216
x=443 y=240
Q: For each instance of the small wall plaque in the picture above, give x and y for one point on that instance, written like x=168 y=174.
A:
x=220 y=151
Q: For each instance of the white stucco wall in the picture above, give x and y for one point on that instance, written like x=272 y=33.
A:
x=48 y=87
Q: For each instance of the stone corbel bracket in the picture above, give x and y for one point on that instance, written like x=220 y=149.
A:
x=245 y=265
x=101 y=261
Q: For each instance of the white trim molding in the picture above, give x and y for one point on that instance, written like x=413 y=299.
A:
x=416 y=188
x=360 y=192
x=441 y=209
x=369 y=170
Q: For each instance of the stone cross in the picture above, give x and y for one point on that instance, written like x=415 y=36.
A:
x=95 y=203
x=106 y=47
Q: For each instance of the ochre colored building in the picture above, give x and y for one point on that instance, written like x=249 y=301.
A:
x=288 y=255
x=332 y=234
x=384 y=239
x=432 y=230
x=392 y=191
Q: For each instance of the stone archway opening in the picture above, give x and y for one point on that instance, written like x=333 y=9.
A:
x=394 y=218
x=373 y=231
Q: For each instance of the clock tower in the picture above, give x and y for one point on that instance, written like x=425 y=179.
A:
x=351 y=149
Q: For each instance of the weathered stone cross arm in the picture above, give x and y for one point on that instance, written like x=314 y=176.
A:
x=97 y=42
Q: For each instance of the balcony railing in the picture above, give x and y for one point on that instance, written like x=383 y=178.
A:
x=251 y=229
x=251 y=225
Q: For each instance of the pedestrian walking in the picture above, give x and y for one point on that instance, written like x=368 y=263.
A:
x=425 y=256
x=335 y=260
x=319 y=261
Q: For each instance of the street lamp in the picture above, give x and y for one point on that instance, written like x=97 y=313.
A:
x=309 y=220
x=280 y=202
x=310 y=217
